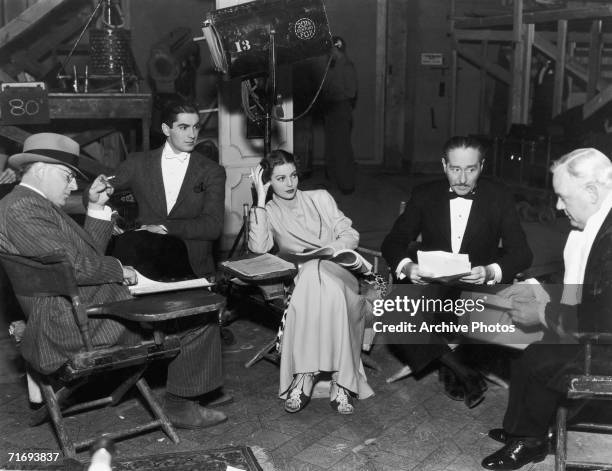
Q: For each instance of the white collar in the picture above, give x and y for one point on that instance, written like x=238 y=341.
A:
x=169 y=153
x=36 y=190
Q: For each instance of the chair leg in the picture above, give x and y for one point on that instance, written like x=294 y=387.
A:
x=561 y=451
x=166 y=425
x=58 y=421
x=125 y=386
x=261 y=354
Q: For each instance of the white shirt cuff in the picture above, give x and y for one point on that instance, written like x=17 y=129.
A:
x=400 y=267
x=105 y=213
x=497 y=274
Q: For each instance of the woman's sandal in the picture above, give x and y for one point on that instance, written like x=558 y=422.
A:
x=296 y=398
x=343 y=401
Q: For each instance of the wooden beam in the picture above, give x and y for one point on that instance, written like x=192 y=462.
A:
x=494 y=70
x=482 y=96
x=573 y=36
x=4 y=77
x=528 y=34
x=14 y=133
x=550 y=50
x=544 y=16
x=60 y=33
x=515 y=99
x=26 y=19
x=559 y=67
x=483 y=35
x=594 y=59
x=598 y=101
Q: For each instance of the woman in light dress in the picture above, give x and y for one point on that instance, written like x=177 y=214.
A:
x=325 y=316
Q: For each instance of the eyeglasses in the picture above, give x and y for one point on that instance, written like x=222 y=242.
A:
x=69 y=176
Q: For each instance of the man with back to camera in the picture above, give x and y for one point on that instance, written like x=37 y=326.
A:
x=462 y=214
x=582 y=181
x=32 y=222
x=178 y=191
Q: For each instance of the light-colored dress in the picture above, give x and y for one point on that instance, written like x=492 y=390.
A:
x=325 y=318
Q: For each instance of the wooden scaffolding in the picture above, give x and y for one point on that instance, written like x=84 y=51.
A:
x=555 y=34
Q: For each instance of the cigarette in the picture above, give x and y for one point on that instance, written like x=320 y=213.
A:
x=111 y=177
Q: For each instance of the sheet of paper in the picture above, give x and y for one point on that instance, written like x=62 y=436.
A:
x=438 y=263
x=147 y=286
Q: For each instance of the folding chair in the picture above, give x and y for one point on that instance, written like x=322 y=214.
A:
x=52 y=275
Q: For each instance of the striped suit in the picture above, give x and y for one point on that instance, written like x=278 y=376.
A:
x=31 y=225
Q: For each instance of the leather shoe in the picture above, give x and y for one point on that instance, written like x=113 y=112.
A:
x=499 y=435
x=516 y=453
x=190 y=415
x=453 y=388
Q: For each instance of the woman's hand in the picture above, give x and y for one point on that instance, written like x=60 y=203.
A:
x=260 y=186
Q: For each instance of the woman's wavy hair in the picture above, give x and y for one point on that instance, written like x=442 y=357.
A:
x=274 y=159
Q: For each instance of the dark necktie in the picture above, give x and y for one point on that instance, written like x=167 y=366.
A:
x=470 y=196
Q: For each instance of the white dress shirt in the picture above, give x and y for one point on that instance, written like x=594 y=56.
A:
x=576 y=253
x=459 y=214
x=174 y=167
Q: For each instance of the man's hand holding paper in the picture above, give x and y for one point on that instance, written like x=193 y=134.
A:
x=438 y=265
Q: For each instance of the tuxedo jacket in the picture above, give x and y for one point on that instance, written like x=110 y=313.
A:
x=197 y=216
x=31 y=225
x=493 y=217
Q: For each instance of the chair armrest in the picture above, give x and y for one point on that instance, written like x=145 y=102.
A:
x=161 y=307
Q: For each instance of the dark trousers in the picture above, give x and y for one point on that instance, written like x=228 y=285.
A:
x=536 y=387
x=339 y=160
x=198 y=368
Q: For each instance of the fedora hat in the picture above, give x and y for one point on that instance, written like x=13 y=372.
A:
x=50 y=148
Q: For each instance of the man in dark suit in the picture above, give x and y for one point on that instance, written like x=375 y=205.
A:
x=179 y=192
x=32 y=222
x=582 y=181
x=462 y=214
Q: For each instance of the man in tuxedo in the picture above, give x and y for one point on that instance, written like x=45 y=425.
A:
x=582 y=181
x=32 y=222
x=462 y=214
x=178 y=191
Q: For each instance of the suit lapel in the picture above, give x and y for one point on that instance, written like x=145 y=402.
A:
x=440 y=210
x=595 y=252
x=157 y=181
x=69 y=221
x=191 y=175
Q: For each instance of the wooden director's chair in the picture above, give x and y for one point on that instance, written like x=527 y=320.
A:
x=52 y=275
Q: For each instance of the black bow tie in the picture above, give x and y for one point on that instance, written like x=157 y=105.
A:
x=470 y=196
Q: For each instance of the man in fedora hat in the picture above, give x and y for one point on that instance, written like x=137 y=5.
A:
x=32 y=222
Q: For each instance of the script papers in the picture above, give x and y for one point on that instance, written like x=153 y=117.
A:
x=445 y=266
x=264 y=264
x=145 y=285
